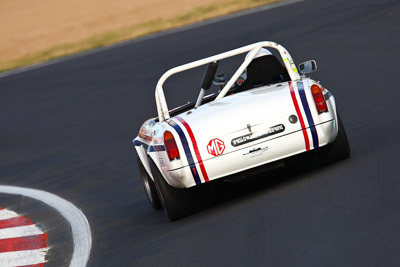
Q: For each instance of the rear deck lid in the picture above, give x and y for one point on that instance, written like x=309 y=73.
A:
x=240 y=120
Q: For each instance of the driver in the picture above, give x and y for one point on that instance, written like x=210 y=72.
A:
x=261 y=53
x=264 y=69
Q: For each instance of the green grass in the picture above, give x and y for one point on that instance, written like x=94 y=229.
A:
x=134 y=31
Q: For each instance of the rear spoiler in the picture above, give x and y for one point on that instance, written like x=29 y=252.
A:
x=162 y=108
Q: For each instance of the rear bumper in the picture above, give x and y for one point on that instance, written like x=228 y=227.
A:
x=254 y=155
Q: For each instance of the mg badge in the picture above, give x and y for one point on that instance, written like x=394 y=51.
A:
x=216 y=147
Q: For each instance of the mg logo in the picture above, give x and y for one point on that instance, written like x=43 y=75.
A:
x=216 y=147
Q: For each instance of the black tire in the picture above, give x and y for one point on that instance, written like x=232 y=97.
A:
x=149 y=187
x=338 y=150
x=177 y=203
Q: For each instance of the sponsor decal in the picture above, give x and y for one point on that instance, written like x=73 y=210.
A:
x=162 y=163
x=256 y=136
x=255 y=152
x=216 y=147
x=327 y=96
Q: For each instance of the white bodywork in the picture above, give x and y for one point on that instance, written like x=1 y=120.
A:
x=237 y=132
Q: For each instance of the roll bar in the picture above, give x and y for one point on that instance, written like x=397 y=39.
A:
x=162 y=108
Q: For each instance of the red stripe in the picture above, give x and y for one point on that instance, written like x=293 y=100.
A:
x=15 y=222
x=196 y=149
x=296 y=106
x=23 y=243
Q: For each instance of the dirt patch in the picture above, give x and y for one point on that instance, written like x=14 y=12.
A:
x=38 y=30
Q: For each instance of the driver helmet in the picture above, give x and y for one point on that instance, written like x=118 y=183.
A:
x=261 y=53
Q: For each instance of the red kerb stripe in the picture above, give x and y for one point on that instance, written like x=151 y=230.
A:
x=296 y=106
x=23 y=243
x=15 y=222
x=196 y=149
x=34 y=265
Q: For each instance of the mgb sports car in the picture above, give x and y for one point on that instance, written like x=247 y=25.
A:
x=267 y=111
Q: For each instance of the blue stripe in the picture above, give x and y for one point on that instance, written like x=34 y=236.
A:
x=149 y=148
x=189 y=156
x=137 y=142
x=310 y=120
x=156 y=148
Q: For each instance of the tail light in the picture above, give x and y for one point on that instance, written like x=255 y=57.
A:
x=170 y=146
x=319 y=99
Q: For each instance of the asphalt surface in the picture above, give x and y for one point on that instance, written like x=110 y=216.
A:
x=67 y=128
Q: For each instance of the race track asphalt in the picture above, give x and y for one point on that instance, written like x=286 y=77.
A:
x=66 y=128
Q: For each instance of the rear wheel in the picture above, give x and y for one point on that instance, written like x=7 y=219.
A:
x=149 y=187
x=177 y=203
x=338 y=150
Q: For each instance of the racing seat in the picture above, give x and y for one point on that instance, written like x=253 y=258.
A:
x=263 y=71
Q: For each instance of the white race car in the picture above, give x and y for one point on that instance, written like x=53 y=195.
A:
x=265 y=112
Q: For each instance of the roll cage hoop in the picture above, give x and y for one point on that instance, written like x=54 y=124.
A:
x=162 y=108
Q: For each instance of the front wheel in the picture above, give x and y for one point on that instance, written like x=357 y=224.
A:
x=177 y=203
x=338 y=150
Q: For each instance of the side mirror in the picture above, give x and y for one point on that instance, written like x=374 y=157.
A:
x=221 y=79
x=308 y=67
